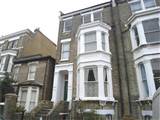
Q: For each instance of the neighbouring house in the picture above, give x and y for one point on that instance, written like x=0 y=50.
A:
x=34 y=79
x=108 y=60
x=29 y=57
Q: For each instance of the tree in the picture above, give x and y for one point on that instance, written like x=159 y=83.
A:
x=6 y=86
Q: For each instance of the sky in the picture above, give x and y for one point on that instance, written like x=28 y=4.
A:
x=16 y=15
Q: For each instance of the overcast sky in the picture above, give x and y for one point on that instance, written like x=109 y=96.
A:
x=16 y=15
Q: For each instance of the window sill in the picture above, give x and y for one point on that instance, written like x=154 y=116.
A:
x=63 y=60
x=144 y=45
x=30 y=79
x=95 y=51
x=66 y=32
x=144 y=99
x=107 y=99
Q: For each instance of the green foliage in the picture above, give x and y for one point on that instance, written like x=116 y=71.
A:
x=6 y=86
x=20 y=109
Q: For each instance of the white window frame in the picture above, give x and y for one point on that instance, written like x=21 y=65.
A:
x=140 y=29
x=64 y=24
x=85 y=43
x=33 y=72
x=28 y=97
x=65 y=41
x=92 y=16
x=10 y=64
x=16 y=72
x=143 y=7
x=3 y=59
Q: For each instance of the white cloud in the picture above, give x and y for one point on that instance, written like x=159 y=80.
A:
x=44 y=14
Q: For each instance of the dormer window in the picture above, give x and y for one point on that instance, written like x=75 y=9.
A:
x=92 y=16
x=137 y=5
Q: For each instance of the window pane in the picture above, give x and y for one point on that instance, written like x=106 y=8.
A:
x=91 y=74
x=97 y=16
x=149 y=3
x=90 y=46
x=16 y=70
x=103 y=41
x=151 y=30
x=151 y=25
x=65 y=46
x=67 y=25
x=136 y=35
x=105 y=74
x=15 y=43
x=23 y=97
x=144 y=80
x=135 y=6
x=153 y=36
x=65 y=55
x=156 y=71
x=10 y=45
x=32 y=71
x=90 y=41
x=90 y=37
x=87 y=18
x=91 y=84
x=65 y=51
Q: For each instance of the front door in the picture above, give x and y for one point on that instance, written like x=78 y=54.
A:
x=65 y=87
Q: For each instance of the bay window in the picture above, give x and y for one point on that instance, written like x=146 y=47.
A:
x=137 y=5
x=90 y=41
x=145 y=32
x=28 y=97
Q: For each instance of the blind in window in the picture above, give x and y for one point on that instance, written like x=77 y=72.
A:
x=90 y=41
x=152 y=30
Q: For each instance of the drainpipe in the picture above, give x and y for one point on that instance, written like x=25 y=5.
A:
x=121 y=57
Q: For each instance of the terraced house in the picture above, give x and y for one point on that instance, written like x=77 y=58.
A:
x=30 y=58
x=108 y=60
